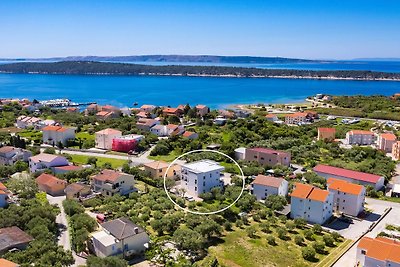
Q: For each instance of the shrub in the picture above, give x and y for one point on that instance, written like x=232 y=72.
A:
x=317 y=229
x=329 y=241
x=308 y=253
x=227 y=226
x=265 y=227
x=319 y=247
x=251 y=231
x=300 y=223
x=282 y=232
x=271 y=240
x=336 y=236
x=308 y=234
x=298 y=239
x=290 y=225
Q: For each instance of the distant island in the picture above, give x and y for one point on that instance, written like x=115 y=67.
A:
x=107 y=68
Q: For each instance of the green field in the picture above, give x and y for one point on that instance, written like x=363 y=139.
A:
x=82 y=159
x=168 y=158
x=85 y=136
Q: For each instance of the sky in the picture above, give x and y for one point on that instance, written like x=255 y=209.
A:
x=323 y=29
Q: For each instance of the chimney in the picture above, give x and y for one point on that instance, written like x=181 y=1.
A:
x=136 y=229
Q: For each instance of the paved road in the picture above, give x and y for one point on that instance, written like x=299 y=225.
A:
x=64 y=237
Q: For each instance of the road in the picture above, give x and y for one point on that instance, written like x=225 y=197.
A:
x=64 y=239
x=378 y=206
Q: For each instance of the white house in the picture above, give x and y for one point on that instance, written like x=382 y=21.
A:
x=354 y=177
x=110 y=182
x=348 y=198
x=311 y=203
x=240 y=153
x=45 y=161
x=360 y=137
x=380 y=251
x=24 y=122
x=54 y=134
x=385 y=141
x=264 y=186
x=104 y=138
x=9 y=155
x=119 y=237
x=201 y=176
x=159 y=130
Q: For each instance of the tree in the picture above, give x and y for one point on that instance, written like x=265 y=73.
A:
x=329 y=241
x=300 y=223
x=23 y=185
x=298 y=239
x=112 y=261
x=107 y=165
x=251 y=231
x=275 y=202
x=188 y=239
x=336 y=236
x=319 y=247
x=265 y=227
x=271 y=240
x=50 y=150
x=309 y=234
x=308 y=253
x=317 y=229
x=282 y=232
x=72 y=207
x=92 y=161
x=290 y=225
x=208 y=228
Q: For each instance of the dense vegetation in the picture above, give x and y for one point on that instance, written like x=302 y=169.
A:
x=102 y=68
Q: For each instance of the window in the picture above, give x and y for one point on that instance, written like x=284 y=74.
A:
x=262 y=158
x=204 y=183
x=363 y=252
x=195 y=188
x=344 y=200
x=160 y=170
x=195 y=181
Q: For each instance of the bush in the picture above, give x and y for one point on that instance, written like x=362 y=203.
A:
x=317 y=229
x=308 y=253
x=271 y=240
x=265 y=227
x=319 y=247
x=282 y=232
x=290 y=225
x=300 y=223
x=227 y=226
x=336 y=236
x=298 y=239
x=256 y=218
x=329 y=241
x=251 y=231
x=308 y=234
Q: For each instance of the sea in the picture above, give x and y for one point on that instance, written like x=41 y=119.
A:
x=125 y=91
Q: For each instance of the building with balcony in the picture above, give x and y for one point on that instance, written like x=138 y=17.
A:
x=104 y=138
x=379 y=251
x=264 y=186
x=43 y=161
x=9 y=155
x=267 y=157
x=110 y=182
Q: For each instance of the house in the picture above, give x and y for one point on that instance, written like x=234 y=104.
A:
x=379 y=251
x=147 y=108
x=24 y=122
x=45 y=161
x=271 y=117
x=54 y=135
x=126 y=143
x=173 y=129
x=51 y=184
x=157 y=169
x=326 y=134
x=201 y=176
x=72 y=109
x=264 y=186
x=226 y=114
x=348 y=198
x=77 y=190
x=190 y=135
x=65 y=169
x=109 y=108
x=354 y=177
x=13 y=238
x=359 y=137
x=219 y=120
x=9 y=155
x=172 y=112
x=311 y=203
x=296 y=118
x=110 y=182
x=159 y=130
x=126 y=112
x=143 y=114
x=119 y=237
x=385 y=141
x=7 y=263
x=396 y=150
x=3 y=195
x=104 y=138
x=92 y=109
x=202 y=110
x=105 y=115
x=146 y=124
x=47 y=122
x=267 y=157
x=240 y=153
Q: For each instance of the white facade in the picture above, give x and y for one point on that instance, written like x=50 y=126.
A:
x=44 y=161
x=52 y=135
x=159 y=130
x=24 y=122
x=105 y=137
x=378 y=252
x=109 y=183
x=10 y=155
x=268 y=186
x=348 y=198
x=360 y=138
x=240 y=153
x=201 y=176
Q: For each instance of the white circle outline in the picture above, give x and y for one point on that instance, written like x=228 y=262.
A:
x=197 y=212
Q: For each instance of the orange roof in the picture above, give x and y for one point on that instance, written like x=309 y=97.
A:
x=7 y=263
x=2 y=192
x=49 y=180
x=170 y=110
x=102 y=113
x=327 y=130
x=6 y=149
x=108 y=175
x=172 y=126
x=344 y=186
x=55 y=128
x=109 y=131
x=389 y=136
x=297 y=114
x=201 y=106
x=270 y=115
x=2 y=186
x=381 y=248
x=268 y=181
x=188 y=134
x=156 y=165
x=361 y=132
x=306 y=191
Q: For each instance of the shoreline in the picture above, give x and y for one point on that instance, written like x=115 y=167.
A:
x=294 y=77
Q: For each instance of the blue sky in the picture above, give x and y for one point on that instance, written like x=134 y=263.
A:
x=302 y=29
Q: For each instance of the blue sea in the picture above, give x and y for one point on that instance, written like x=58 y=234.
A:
x=123 y=91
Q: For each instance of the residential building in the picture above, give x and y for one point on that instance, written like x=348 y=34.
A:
x=348 y=198
x=3 y=195
x=53 y=135
x=396 y=150
x=359 y=137
x=45 y=161
x=143 y=115
x=354 y=177
x=159 y=130
x=109 y=108
x=146 y=124
x=311 y=203
x=119 y=237
x=147 y=108
x=240 y=153
x=24 y=122
x=7 y=263
x=13 y=238
x=105 y=115
x=226 y=114
x=219 y=120
x=9 y=155
x=51 y=184
x=77 y=190
x=65 y=169
x=385 y=141
x=296 y=118
x=201 y=176
x=267 y=157
x=173 y=129
x=379 y=251
x=157 y=169
x=172 y=112
x=202 y=110
x=190 y=135
x=110 y=182
x=104 y=138
x=271 y=117
x=126 y=143
x=92 y=109
x=264 y=186
x=326 y=134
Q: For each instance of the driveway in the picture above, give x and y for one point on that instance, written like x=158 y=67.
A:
x=62 y=223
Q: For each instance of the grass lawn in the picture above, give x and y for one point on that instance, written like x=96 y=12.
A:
x=168 y=158
x=82 y=159
x=240 y=250
x=85 y=135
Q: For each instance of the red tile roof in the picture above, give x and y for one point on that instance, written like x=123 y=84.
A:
x=297 y=114
x=2 y=186
x=188 y=134
x=355 y=175
x=381 y=248
x=171 y=110
x=109 y=131
x=44 y=157
x=108 y=175
x=306 y=191
x=6 y=149
x=69 y=168
x=270 y=115
x=49 y=180
x=268 y=151
x=361 y=132
x=344 y=186
x=55 y=128
x=7 y=263
x=327 y=130
x=201 y=106
x=2 y=192
x=389 y=136
x=268 y=181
